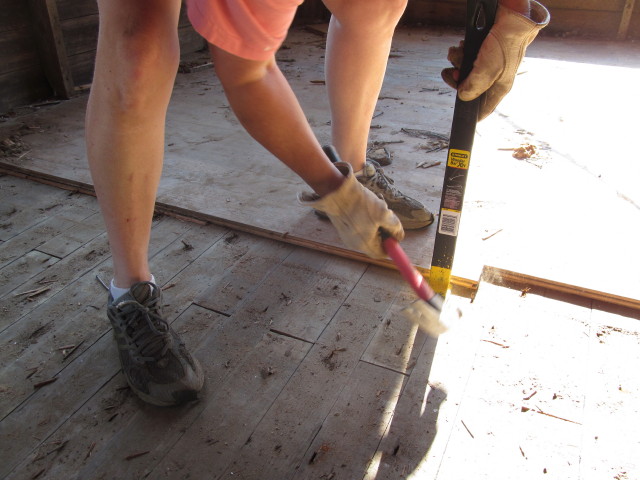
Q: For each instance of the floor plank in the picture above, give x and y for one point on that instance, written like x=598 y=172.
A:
x=541 y=216
x=311 y=371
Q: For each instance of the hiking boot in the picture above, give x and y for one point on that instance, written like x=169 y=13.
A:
x=411 y=212
x=154 y=359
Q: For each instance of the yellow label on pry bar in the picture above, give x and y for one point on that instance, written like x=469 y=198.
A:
x=459 y=158
x=439 y=279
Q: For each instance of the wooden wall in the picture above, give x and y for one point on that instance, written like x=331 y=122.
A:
x=28 y=51
x=594 y=18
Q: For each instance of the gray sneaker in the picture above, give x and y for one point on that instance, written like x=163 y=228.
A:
x=411 y=212
x=154 y=359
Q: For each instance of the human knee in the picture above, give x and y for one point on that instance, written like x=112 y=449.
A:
x=235 y=72
x=381 y=15
x=140 y=71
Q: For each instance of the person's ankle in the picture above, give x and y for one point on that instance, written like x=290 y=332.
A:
x=117 y=291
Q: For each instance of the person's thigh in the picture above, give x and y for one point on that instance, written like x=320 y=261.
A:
x=378 y=13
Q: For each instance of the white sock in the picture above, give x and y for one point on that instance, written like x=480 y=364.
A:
x=117 y=292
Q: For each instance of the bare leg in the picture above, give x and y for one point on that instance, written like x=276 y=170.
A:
x=136 y=64
x=269 y=110
x=356 y=60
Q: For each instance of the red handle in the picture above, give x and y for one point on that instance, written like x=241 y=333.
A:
x=407 y=270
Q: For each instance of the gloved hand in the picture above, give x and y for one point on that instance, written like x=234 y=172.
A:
x=499 y=57
x=357 y=213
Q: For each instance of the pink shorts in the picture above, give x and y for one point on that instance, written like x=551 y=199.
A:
x=251 y=29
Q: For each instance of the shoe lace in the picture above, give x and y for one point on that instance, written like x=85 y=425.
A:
x=149 y=332
x=381 y=180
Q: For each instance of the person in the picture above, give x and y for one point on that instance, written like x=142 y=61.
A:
x=355 y=65
x=136 y=63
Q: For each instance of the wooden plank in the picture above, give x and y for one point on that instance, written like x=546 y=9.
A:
x=229 y=355
x=22 y=87
x=414 y=443
x=18 y=51
x=74 y=236
x=35 y=339
x=15 y=14
x=80 y=34
x=46 y=409
x=28 y=240
x=22 y=211
x=169 y=259
x=612 y=398
x=499 y=427
x=21 y=270
x=398 y=341
x=627 y=12
x=64 y=271
x=53 y=54
x=115 y=414
x=76 y=8
x=344 y=445
x=330 y=279
x=280 y=442
x=254 y=263
x=247 y=391
x=523 y=282
x=270 y=188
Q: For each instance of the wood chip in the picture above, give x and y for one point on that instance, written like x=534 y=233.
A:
x=45 y=382
x=496 y=343
x=428 y=164
x=467 y=428
x=136 y=455
x=30 y=294
x=494 y=233
x=90 y=450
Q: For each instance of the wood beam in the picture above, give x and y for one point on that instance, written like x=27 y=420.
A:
x=53 y=54
x=627 y=11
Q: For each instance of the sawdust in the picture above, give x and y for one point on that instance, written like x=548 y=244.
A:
x=525 y=151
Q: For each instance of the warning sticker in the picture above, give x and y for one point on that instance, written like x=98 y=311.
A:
x=459 y=158
x=449 y=221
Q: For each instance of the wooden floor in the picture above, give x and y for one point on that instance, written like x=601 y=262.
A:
x=570 y=215
x=311 y=372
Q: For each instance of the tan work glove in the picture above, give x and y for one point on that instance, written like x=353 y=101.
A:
x=499 y=57
x=357 y=213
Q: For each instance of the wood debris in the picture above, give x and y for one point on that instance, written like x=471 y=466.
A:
x=31 y=294
x=426 y=134
x=381 y=155
x=136 y=455
x=90 y=450
x=428 y=164
x=59 y=445
x=538 y=410
x=523 y=152
x=496 y=343
x=68 y=350
x=467 y=428
x=44 y=382
x=489 y=236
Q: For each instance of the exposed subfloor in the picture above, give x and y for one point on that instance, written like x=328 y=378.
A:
x=569 y=214
x=311 y=372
